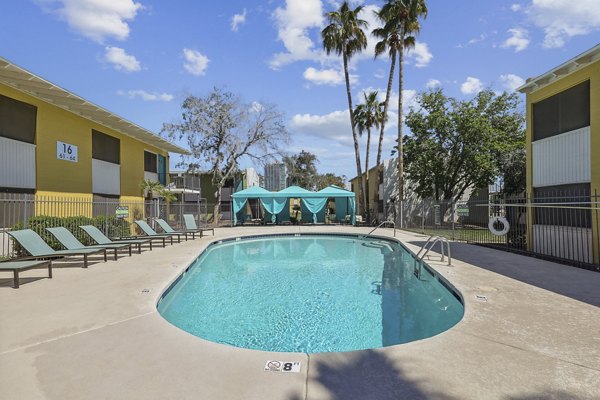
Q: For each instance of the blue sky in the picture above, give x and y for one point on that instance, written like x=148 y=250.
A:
x=140 y=58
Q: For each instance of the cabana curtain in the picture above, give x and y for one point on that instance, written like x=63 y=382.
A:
x=314 y=205
x=274 y=206
x=275 y=202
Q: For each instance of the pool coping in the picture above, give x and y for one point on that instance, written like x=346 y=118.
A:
x=109 y=340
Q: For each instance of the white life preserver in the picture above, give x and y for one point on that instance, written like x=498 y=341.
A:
x=499 y=232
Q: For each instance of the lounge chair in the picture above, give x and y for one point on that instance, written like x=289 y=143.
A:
x=168 y=230
x=37 y=248
x=190 y=224
x=67 y=239
x=99 y=237
x=17 y=266
x=152 y=233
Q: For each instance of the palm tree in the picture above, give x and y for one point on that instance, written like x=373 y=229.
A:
x=400 y=20
x=345 y=36
x=151 y=188
x=367 y=115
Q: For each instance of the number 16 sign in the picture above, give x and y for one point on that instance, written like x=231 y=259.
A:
x=66 y=151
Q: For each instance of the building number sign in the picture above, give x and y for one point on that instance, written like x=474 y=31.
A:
x=66 y=151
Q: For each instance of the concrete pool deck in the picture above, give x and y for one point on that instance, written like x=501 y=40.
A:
x=95 y=334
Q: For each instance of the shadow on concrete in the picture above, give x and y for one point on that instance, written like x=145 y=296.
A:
x=8 y=282
x=365 y=375
x=576 y=283
x=548 y=395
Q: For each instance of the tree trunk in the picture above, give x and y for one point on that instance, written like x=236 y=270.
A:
x=400 y=137
x=361 y=193
x=367 y=199
x=385 y=107
x=217 y=208
x=385 y=111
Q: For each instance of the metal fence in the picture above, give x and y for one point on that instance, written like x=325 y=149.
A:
x=559 y=226
x=113 y=217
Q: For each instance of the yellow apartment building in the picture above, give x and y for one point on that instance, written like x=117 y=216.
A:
x=563 y=157
x=55 y=144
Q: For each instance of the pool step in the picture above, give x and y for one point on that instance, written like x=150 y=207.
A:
x=380 y=245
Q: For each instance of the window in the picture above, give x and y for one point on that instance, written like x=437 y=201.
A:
x=150 y=162
x=104 y=204
x=17 y=120
x=563 y=112
x=576 y=198
x=106 y=148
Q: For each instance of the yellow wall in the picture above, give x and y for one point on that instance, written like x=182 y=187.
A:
x=373 y=194
x=62 y=177
x=591 y=73
x=60 y=204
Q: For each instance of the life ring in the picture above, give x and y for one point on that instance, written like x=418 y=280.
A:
x=499 y=232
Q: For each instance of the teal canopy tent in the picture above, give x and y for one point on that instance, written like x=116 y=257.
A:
x=313 y=204
x=345 y=201
x=240 y=198
x=275 y=202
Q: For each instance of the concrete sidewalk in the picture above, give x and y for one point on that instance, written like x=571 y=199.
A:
x=95 y=334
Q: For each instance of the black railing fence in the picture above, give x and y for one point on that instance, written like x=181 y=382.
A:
x=559 y=226
x=113 y=217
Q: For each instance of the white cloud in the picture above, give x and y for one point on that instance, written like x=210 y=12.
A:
x=146 y=96
x=333 y=126
x=511 y=81
x=515 y=7
x=293 y=25
x=256 y=107
x=563 y=19
x=420 y=54
x=96 y=19
x=471 y=86
x=433 y=83
x=331 y=77
x=478 y=39
x=409 y=99
x=237 y=20
x=196 y=62
x=518 y=39
x=121 y=60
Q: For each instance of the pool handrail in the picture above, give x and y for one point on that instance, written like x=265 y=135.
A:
x=380 y=225
x=432 y=242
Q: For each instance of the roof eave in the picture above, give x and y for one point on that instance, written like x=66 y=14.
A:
x=24 y=81
x=576 y=63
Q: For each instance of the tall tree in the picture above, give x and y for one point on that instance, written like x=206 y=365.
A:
x=220 y=130
x=301 y=169
x=401 y=22
x=457 y=145
x=328 y=179
x=367 y=115
x=345 y=36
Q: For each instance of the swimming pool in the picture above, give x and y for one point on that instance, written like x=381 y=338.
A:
x=310 y=294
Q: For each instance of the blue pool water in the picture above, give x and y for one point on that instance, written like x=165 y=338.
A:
x=309 y=294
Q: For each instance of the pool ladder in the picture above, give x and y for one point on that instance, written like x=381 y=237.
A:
x=380 y=225
x=432 y=241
